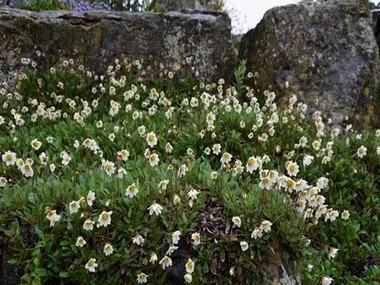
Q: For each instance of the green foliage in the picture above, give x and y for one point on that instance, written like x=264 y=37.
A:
x=237 y=170
x=44 y=5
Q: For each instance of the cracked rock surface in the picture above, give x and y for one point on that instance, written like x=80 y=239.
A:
x=97 y=38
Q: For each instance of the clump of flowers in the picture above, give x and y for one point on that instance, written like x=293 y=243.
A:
x=112 y=173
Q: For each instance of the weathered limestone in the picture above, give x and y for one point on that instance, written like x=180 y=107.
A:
x=177 y=5
x=96 y=39
x=324 y=51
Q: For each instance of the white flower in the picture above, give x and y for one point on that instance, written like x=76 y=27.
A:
x=88 y=225
x=303 y=141
x=43 y=158
x=361 y=152
x=27 y=170
x=153 y=159
x=182 y=170
x=196 y=238
x=105 y=218
x=176 y=237
x=168 y=148
x=345 y=215
x=189 y=265
x=155 y=208
x=166 y=262
x=121 y=172
x=53 y=217
x=216 y=148
x=265 y=181
x=252 y=164
x=131 y=190
x=65 y=158
x=153 y=257
x=3 y=181
x=74 y=207
x=176 y=199
x=138 y=239
x=214 y=175
x=210 y=118
x=151 y=138
x=332 y=252
x=292 y=168
x=123 y=154
x=90 y=198
x=163 y=185
x=307 y=160
x=257 y=233
x=335 y=132
x=188 y=278
x=326 y=280
x=52 y=167
x=9 y=158
x=263 y=137
x=194 y=102
x=193 y=194
x=80 y=242
x=91 y=265
x=265 y=226
x=322 y=182
x=226 y=158
x=237 y=221
x=244 y=245
x=316 y=145
x=108 y=249
x=76 y=144
x=99 y=124
x=109 y=167
x=378 y=150
x=171 y=249
x=142 y=278
x=331 y=215
x=36 y=144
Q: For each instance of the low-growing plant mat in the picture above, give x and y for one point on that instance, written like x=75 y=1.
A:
x=114 y=179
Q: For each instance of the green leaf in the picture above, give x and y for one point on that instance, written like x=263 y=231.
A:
x=64 y=274
x=41 y=272
x=185 y=220
x=69 y=226
x=36 y=281
x=12 y=261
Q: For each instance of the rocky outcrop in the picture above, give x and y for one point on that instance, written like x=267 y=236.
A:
x=376 y=24
x=323 y=51
x=96 y=39
x=280 y=267
x=177 y=5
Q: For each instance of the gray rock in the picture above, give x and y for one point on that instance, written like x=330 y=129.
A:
x=96 y=39
x=376 y=24
x=280 y=267
x=325 y=50
x=177 y=5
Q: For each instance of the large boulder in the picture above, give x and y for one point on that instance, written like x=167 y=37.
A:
x=177 y=5
x=321 y=51
x=97 y=38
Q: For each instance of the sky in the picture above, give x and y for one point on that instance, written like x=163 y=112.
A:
x=246 y=14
